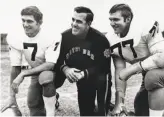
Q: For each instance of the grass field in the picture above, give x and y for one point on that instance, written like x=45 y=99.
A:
x=68 y=92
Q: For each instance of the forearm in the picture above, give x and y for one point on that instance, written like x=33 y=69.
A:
x=154 y=61
x=34 y=71
x=126 y=73
x=120 y=89
x=15 y=71
x=120 y=85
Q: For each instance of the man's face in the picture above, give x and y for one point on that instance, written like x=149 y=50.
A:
x=79 y=25
x=118 y=23
x=30 y=25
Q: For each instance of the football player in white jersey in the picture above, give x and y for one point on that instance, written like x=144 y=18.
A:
x=128 y=36
x=41 y=50
x=155 y=43
x=154 y=66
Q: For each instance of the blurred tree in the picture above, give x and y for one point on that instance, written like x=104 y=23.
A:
x=3 y=39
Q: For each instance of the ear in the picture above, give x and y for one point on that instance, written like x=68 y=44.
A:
x=128 y=19
x=40 y=22
x=89 y=23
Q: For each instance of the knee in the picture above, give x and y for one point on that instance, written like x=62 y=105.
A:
x=151 y=79
x=46 y=77
x=159 y=60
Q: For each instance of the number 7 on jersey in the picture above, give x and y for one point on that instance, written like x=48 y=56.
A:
x=34 y=46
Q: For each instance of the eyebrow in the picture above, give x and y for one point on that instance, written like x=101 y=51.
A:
x=77 y=20
x=114 y=18
x=27 y=20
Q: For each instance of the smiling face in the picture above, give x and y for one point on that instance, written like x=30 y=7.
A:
x=79 y=25
x=30 y=25
x=119 y=23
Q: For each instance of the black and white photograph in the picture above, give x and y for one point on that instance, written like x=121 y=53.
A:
x=82 y=58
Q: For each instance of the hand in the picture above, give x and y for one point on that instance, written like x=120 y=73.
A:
x=16 y=82
x=71 y=74
x=11 y=102
x=124 y=75
x=79 y=74
x=119 y=109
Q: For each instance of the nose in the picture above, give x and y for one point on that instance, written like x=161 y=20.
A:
x=112 y=23
x=74 y=23
x=25 y=23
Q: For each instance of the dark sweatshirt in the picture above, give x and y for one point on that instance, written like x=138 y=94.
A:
x=91 y=55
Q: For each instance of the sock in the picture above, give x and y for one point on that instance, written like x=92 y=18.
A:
x=49 y=97
x=157 y=113
x=50 y=105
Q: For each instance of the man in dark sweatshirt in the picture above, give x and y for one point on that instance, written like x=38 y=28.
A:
x=85 y=59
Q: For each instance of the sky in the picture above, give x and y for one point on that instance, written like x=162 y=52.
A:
x=58 y=13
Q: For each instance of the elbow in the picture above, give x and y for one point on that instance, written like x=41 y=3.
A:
x=50 y=66
x=159 y=60
x=131 y=60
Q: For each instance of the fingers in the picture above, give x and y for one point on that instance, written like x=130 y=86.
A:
x=70 y=80
x=73 y=75
x=76 y=70
x=125 y=110
x=115 y=114
x=7 y=106
x=119 y=111
x=116 y=111
x=4 y=108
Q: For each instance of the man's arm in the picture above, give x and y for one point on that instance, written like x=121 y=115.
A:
x=15 y=60
x=152 y=62
x=120 y=86
x=36 y=70
x=15 y=71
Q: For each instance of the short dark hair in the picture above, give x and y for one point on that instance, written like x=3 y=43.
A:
x=82 y=9
x=32 y=10
x=124 y=8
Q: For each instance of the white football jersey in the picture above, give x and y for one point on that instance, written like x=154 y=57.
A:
x=153 y=37
x=44 y=47
x=138 y=40
x=130 y=40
